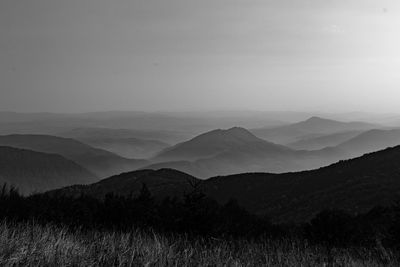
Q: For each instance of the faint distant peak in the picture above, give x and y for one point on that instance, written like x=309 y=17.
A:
x=314 y=119
x=234 y=132
x=238 y=130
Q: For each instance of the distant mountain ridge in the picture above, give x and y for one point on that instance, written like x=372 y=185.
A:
x=32 y=171
x=315 y=126
x=321 y=125
x=88 y=133
x=128 y=147
x=320 y=142
x=371 y=141
x=98 y=161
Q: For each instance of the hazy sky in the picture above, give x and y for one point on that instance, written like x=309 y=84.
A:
x=86 y=55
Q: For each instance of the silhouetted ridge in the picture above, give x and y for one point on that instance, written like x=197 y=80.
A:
x=162 y=182
x=32 y=171
x=354 y=185
x=98 y=161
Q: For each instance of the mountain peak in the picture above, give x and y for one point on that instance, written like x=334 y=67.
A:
x=237 y=133
x=238 y=130
x=215 y=142
x=316 y=119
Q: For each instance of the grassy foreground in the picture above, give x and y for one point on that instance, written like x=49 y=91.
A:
x=34 y=245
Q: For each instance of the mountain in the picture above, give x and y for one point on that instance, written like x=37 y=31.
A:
x=32 y=171
x=98 y=133
x=128 y=147
x=122 y=142
x=320 y=142
x=371 y=141
x=313 y=127
x=222 y=152
x=98 y=161
x=185 y=124
x=162 y=183
x=107 y=119
x=212 y=143
x=354 y=185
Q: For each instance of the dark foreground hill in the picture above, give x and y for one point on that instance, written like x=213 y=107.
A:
x=32 y=171
x=162 y=183
x=354 y=185
x=98 y=161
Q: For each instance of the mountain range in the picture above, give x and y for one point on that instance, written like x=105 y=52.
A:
x=323 y=141
x=371 y=141
x=32 y=171
x=236 y=150
x=276 y=171
x=96 y=133
x=180 y=123
x=354 y=185
x=310 y=128
x=100 y=162
x=128 y=147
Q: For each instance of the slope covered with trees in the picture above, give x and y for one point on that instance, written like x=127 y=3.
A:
x=354 y=185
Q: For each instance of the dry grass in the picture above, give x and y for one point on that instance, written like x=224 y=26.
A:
x=35 y=245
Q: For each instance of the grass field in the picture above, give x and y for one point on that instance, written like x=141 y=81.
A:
x=29 y=244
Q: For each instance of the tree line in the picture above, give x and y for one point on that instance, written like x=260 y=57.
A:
x=195 y=214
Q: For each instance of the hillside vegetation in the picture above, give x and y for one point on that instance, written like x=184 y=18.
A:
x=355 y=186
x=43 y=230
x=29 y=244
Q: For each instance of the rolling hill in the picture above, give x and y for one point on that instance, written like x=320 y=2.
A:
x=100 y=162
x=355 y=185
x=371 y=141
x=215 y=142
x=89 y=133
x=236 y=150
x=162 y=183
x=313 y=127
x=32 y=171
x=128 y=147
x=320 y=142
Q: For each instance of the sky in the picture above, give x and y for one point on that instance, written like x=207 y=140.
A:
x=152 y=55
